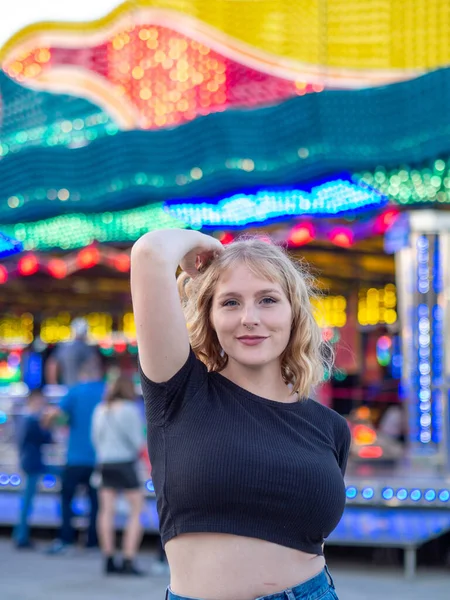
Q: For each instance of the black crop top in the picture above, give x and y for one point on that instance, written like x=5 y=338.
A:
x=227 y=461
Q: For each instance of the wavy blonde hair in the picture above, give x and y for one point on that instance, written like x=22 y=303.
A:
x=306 y=357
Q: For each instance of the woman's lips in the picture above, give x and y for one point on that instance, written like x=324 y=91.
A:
x=251 y=340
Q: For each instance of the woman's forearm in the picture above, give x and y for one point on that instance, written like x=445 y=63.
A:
x=166 y=246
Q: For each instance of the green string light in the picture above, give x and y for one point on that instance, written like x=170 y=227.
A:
x=404 y=185
x=74 y=133
x=408 y=185
x=74 y=231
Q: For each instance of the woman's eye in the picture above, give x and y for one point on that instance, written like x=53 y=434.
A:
x=268 y=301
x=230 y=303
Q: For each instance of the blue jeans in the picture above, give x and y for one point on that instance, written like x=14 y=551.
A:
x=72 y=477
x=21 y=532
x=320 y=587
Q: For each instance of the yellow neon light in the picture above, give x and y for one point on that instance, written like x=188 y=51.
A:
x=343 y=35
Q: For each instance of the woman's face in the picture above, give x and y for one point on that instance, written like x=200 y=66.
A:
x=252 y=317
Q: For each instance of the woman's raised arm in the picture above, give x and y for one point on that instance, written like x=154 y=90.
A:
x=161 y=330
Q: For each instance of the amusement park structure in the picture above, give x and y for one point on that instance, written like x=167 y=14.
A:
x=229 y=117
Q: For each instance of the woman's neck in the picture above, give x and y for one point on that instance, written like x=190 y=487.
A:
x=265 y=381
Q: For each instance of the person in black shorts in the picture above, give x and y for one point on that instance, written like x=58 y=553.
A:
x=118 y=437
x=247 y=468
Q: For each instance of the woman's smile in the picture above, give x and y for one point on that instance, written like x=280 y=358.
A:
x=251 y=340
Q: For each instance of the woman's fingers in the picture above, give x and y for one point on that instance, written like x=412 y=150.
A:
x=199 y=258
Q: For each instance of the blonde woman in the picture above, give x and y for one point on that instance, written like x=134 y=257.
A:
x=248 y=471
x=117 y=434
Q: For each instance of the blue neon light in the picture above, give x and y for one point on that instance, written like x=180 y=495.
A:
x=387 y=493
x=438 y=282
x=423 y=331
x=78 y=506
x=332 y=198
x=415 y=495
x=351 y=492
x=402 y=494
x=444 y=496
x=4 y=479
x=15 y=480
x=149 y=485
x=430 y=495
x=397 y=358
x=423 y=257
x=367 y=493
x=9 y=245
x=437 y=343
x=49 y=481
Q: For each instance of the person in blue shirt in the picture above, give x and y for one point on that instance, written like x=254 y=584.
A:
x=31 y=437
x=78 y=407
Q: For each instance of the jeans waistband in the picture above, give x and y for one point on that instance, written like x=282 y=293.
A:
x=313 y=588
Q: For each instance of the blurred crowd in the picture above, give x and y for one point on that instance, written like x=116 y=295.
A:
x=106 y=442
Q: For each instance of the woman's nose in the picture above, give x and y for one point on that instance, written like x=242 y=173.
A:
x=250 y=316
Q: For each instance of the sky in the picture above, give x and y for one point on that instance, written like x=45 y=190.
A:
x=16 y=14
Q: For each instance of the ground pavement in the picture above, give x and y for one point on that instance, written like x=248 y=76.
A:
x=35 y=576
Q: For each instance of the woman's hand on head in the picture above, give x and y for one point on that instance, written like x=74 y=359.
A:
x=201 y=255
x=160 y=324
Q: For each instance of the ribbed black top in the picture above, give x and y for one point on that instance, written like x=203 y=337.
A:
x=227 y=461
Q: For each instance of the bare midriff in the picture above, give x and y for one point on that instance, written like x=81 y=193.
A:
x=216 y=566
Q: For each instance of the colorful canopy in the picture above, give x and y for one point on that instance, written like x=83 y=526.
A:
x=165 y=103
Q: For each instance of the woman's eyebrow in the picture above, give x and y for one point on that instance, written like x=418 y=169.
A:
x=226 y=294
x=269 y=291
x=258 y=293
